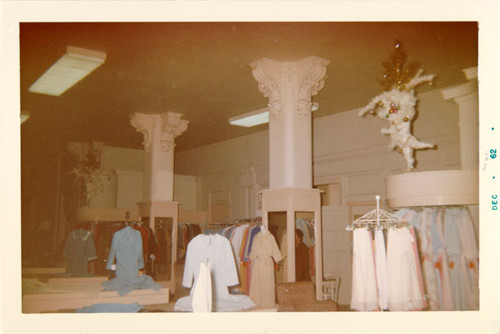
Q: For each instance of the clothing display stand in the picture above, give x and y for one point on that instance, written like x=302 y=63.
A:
x=433 y=188
x=440 y=191
x=296 y=200
x=377 y=218
x=385 y=278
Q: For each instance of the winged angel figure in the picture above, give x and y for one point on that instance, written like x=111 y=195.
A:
x=397 y=106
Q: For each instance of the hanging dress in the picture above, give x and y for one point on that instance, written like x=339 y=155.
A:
x=364 y=286
x=236 y=240
x=422 y=223
x=441 y=262
x=460 y=285
x=403 y=268
x=79 y=249
x=126 y=248
x=262 y=281
x=471 y=255
x=217 y=252
x=381 y=270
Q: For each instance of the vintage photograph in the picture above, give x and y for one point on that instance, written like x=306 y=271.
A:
x=216 y=166
x=310 y=169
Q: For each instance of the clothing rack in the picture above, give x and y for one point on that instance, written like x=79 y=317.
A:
x=437 y=207
x=103 y=231
x=378 y=218
x=220 y=224
x=248 y=220
x=257 y=220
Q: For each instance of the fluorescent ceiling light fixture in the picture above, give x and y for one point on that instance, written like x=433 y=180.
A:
x=257 y=117
x=253 y=118
x=75 y=65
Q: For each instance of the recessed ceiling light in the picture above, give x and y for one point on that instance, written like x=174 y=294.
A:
x=257 y=117
x=72 y=67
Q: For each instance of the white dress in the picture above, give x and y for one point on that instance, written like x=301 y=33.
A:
x=364 y=286
x=404 y=277
x=262 y=282
x=216 y=251
x=381 y=270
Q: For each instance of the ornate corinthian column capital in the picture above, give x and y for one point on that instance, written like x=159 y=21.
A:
x=171 y=126
x=168 y=125
x=276 y=79
x=144 y=123
x=268 y=74
x=311 y=79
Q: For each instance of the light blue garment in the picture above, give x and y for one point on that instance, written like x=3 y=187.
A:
x=437 y=247
x=126 y=247
x=401 y=212
x=454 y=252
x=437 y=244
x=452 y=239
x=111 y=308
x=415 y=220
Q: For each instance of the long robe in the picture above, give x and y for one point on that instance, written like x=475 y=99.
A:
x=262 y=282
x=126 y=247
x=214 y=250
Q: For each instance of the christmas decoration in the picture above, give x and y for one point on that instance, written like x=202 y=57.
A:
x=397 y=104
x=89 y=168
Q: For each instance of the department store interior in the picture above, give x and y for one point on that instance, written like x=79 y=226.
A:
x=143 y=190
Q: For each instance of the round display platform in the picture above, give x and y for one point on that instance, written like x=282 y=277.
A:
x=433 y=188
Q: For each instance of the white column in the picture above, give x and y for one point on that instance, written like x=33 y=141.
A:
x=290 y=86
x=466 y=97
x=159 y=132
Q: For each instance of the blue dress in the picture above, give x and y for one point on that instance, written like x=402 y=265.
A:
x=126 y=248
